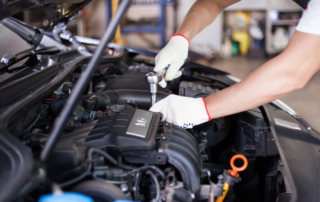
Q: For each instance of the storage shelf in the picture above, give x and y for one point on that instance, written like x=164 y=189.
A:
x=151 y=29
x=167 y=2
x=286 y=9
x=142 y=29
x=285 y=22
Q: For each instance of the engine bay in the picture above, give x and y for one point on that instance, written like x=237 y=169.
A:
x=114 y=148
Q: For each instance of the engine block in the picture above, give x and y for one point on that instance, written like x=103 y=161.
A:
x=139 y=137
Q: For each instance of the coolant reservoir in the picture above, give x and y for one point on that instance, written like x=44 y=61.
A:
x=65 y=197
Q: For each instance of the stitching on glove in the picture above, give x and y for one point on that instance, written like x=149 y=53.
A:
x=205 y=106
x=181 y=36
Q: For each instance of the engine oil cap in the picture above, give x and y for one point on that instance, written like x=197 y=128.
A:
x=65 y=197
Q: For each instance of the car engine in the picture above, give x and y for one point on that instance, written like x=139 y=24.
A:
x=114 y=148
x=116 y=122
x=75 y=119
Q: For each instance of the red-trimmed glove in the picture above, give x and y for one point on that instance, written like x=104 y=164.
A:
x=170 y=59
x=182 y=111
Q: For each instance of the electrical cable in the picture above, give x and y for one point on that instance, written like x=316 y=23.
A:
x=143 y=168
x=89 y=165
x=84 y=174
x=156 y=182
x=80 y=177
x=34 y=122
x=114 y=162
x=41 y=115
x=136 y=190
x=119 y=163
x=104 y=154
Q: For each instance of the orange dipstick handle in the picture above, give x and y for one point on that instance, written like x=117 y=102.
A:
x=234 y=173
x=235 y=169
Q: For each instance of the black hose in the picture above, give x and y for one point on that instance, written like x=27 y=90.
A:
x=163 y=176
x=111 y=159
x=80 y=177
x=89 y=163
x=156 y=182
x=114 y=162
x=84 y=174
x=136 y=190
x=104 y=154
x=34 y=122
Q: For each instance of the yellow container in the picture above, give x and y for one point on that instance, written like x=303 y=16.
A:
x=244 y=41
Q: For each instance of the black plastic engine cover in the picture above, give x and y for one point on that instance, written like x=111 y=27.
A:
x=137 y=136
x=112 y=134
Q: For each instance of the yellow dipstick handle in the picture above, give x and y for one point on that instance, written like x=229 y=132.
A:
x=226 y=188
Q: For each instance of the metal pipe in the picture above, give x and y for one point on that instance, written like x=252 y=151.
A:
x=83 y=81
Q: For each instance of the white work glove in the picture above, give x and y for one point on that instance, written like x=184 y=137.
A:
x=170 y=59
x=182 y=111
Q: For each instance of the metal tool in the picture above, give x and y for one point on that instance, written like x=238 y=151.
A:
x=153 y=78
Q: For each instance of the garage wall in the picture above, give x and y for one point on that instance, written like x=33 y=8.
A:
x=203 y=43
x=207 y=39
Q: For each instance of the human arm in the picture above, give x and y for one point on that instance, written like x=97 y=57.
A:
x=288 y=72
x=202 y=14
x=173 y=55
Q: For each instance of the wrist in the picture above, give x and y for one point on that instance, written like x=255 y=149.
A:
x=205 y=106
x=180 y=35
x=186 y=32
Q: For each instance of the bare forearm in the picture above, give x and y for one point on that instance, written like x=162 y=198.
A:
x=201 y=14
x=261 y=87
x=288 y=72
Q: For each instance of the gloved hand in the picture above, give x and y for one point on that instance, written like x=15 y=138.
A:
x=171 y=58
x=182 y=111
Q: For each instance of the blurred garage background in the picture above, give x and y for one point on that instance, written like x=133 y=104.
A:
x=242 y=38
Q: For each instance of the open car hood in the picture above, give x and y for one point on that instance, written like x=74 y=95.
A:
x=57 y=10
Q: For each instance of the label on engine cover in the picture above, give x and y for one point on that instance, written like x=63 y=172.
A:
x=140 y=123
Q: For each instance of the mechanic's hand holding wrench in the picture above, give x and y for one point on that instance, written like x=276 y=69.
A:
x=182 y=111
x=171 y=58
